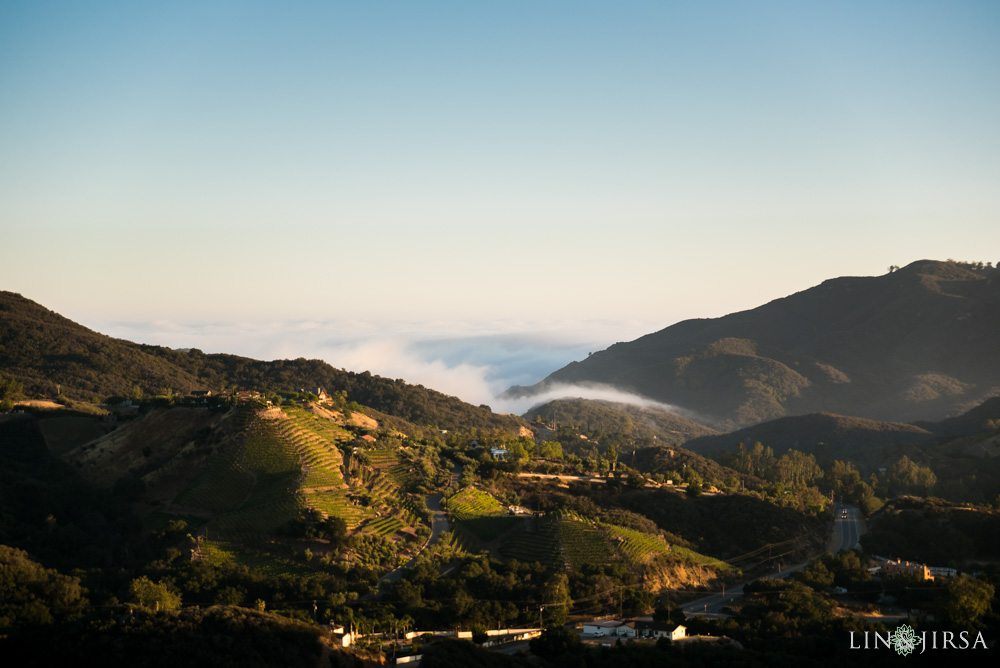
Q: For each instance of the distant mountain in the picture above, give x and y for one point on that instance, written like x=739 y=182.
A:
x=51 y=355
x=916 y=343
x=642 y=423
x=983 y=417
x=964 y=450
x=842 y=437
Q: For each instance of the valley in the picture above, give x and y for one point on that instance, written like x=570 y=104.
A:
x=357 y=520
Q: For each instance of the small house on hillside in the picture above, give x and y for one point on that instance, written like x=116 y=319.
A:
x=317 y=391
x=660 y=630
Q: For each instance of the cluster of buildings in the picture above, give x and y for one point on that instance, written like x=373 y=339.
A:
x=893 y=568
x=634 y=628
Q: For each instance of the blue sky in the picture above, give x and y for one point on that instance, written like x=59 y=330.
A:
x=326 y=178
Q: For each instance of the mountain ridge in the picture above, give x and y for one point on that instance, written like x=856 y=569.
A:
x=914 y=343
x=840 y=436
x=51 y=355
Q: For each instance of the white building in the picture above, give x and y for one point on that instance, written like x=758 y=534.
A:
x=634 y=629
x=602 y=627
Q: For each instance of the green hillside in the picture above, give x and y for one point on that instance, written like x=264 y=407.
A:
x=567 y=540
x=50 y=355
x=643 y=425
x=287 y=475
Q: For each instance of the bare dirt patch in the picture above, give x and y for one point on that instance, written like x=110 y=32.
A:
x=362 y=420
x=357 y=419
x=274 y=413
x=41 y=403
x=325 y=412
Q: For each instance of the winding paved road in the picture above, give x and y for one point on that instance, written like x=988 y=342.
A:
x=439 y=524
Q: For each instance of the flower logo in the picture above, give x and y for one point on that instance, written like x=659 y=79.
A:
x=904 y=640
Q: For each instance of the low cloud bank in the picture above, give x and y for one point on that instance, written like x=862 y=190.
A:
x=592 y=391
x=466 y=360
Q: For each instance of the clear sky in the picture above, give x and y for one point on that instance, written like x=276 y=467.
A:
x=373 y=181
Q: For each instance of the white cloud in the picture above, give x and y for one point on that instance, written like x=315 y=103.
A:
x=396 y=358
x=595 y=391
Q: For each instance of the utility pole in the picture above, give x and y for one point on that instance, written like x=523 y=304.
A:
x=540 y=608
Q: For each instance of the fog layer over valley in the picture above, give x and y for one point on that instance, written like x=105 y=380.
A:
x=475 y=361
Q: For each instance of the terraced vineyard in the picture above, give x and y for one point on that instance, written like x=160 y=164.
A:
x=640 y=548
x=272 y=503
x=539 y=541
x=263 y=469
x=471 y=503
x=584 y=542
x=384 y=477
x=637 y=547
x=385 y=526
x=323 y=428
x=322 y=486
x=336 y=504
x=465 y=541
x=252 y=521
x=382 y=458
x=704 y=559
x=221 y=486
x=321 y=459
x=282 y=467
x=404 y=475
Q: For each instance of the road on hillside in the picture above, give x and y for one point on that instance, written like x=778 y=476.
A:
x=439 y=524
x=845 y=535
x=847 y=528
